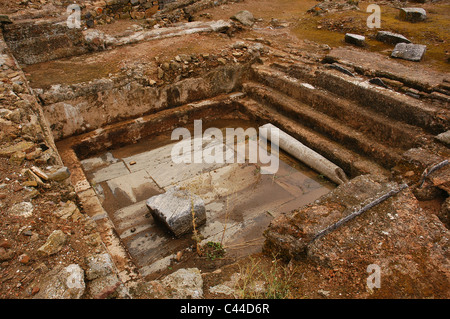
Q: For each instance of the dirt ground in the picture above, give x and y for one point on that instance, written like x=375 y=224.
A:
x=19 y=276
x=329 y=28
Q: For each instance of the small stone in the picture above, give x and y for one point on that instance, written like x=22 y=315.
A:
x=412 y=14
x=174 y=65
x=54 y=243
x=324 y=293
x=186 y=58
x=15 y=116
x=39 y=172
x=222 y=61
x=107 y=289
x=160 y=73
x=17 y=158
x=27 y=233
x=24 y=259
x=23 y=209
x=409 y=174
x=30 y=184
x=245 y=17
x=392 y=83
x=17 y=188
x=62 y=283
x=391 y=38
x=379 y=82
x=239 y=45
x=59 y=175
x=340 y=69
x=19 y=147
x=35 y=290
x=33 y=177
x=355 y=39
x=185 y=284
x=151 y=10
x=67 y=210
x=124 y=15
x=99 y=266
x=223 y=290
x=444 y=137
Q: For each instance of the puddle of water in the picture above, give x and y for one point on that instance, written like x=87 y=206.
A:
x=240 y=201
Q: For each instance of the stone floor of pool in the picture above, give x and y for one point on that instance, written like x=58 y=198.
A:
x=240 y=201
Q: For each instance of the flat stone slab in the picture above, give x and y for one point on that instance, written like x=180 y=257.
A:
x=245 y=17
x=444 y=137
x=412 y=14
x=221 y=182
x=409 y=51
x=112 y=171
x=176 y=208
x=391 y=38
x=160 y=164
x=133 y=185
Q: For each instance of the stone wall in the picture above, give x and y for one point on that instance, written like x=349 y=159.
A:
x=32 y=42
x=43 y=232
x=81 y=108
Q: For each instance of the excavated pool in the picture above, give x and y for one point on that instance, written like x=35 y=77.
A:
x=240 y=201
x=113 y=132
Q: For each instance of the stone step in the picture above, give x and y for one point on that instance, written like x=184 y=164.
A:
x=352 y=163
x=324 y=124
x=378 y=126
x=396 y=106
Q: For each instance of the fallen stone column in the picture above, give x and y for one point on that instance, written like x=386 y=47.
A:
x=305 y=154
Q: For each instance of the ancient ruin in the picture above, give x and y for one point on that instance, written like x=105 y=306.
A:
x=112 y=185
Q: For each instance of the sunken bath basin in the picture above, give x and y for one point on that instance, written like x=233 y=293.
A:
x=120 y=166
